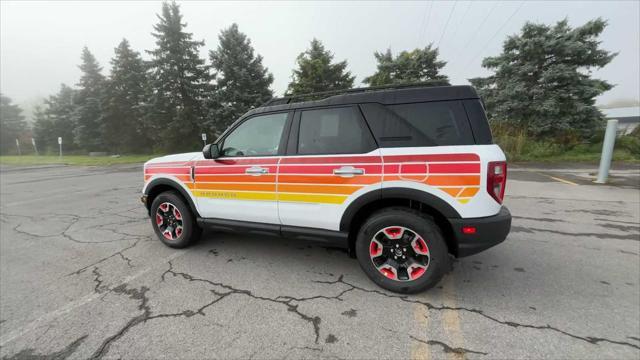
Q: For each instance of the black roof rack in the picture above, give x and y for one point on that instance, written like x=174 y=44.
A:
x=325 y=94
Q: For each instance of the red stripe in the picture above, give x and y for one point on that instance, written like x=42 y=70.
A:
x=168 y=163
x=431 y=157
x=331 y=160
x=326 y=169
x=453 y=168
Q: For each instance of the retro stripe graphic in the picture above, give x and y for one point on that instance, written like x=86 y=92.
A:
x=311 y=179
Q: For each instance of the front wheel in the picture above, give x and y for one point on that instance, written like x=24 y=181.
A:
x=173 y=221
x=402 y=250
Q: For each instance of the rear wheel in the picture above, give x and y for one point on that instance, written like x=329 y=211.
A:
x=172 y=220
x=402 y=250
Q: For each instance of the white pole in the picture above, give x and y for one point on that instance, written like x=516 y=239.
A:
x=204 y=139
x=60 y=145
x=18 y=145
x=607 y=151
x=35 y=148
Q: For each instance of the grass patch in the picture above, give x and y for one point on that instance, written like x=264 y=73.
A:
x=84 y=160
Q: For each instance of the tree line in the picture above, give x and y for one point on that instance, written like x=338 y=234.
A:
x=541 y=84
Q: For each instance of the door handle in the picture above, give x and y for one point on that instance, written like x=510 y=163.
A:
x=256 y=171
x=348 y=171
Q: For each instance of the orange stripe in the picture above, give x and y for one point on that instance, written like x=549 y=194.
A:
x=330 y=179
x=469 y=192
x=319 y=189
x=443 y=180
x=451 y=191
x=185 y=178
x=241 y=187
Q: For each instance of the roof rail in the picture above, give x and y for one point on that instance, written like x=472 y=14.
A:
x=288 y=99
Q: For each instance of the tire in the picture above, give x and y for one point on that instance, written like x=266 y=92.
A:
x=178 y=227
x=377 y=249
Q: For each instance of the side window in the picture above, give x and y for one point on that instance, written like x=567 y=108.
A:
x=333 y=131
x=258 y=136
x=419 y=124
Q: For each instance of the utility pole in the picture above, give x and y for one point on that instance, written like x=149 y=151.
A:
x=607 y=151
x=60 y=145
x=18 y=145
x=33 y=142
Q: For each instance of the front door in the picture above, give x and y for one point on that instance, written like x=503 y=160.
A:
x=241 y=183
x=331 y=159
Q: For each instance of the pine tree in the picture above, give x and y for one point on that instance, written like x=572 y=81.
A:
x=179 y=81
x=419 y=65
x=57 y=120
x=90 y=126
x=316 y=72
x=126 y=92
x=243 y=82
x=12 y=125
x=542 y=82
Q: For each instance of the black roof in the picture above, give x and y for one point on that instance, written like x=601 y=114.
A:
x=386 y=95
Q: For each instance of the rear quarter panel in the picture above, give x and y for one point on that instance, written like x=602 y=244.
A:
x=456 y=174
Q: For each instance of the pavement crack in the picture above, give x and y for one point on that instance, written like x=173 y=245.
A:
x=590 y=339
x=117 y=253
x=448 y=349
x=66 y=352
x=98 y=280
x=284 y=300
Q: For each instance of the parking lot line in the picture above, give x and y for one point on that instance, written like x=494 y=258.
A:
x=420 y=350
x=561 y=180
x=451 y=318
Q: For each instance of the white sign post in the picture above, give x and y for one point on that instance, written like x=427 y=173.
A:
x=60 y=144
x=33 y=142
x=18 y=145
x=204 y=139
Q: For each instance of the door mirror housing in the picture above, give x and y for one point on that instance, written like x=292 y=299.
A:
x=211 y=151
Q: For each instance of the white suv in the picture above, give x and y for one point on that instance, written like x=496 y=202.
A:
x=401 y=177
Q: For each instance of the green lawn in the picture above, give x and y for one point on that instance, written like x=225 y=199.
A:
x=73 y=160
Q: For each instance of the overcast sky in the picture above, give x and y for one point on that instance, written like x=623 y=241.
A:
x=40 y=42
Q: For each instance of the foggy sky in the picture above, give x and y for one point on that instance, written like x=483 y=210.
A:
x=41 y=42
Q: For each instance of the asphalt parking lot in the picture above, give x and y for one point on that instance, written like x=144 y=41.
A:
x=82 y=276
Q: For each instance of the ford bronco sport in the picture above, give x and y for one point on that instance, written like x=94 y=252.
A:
x=401 y=177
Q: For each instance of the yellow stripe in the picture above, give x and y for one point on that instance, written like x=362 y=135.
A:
x=562 y=180
x=235 y=195
x=312 y=198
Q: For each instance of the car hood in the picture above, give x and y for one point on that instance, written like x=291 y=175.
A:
x=176 y=158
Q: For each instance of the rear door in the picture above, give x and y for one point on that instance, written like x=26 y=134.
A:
x=241 y=184
x=331 y=159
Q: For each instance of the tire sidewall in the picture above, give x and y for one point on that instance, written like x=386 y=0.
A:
x=423 y=226
x=188 y=220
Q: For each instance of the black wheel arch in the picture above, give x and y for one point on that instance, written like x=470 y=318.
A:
x=359 y=210
x=160 y=185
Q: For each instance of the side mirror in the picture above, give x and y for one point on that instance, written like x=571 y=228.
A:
x=211 y=151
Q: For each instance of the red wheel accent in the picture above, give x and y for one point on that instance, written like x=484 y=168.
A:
x=389 y=272
x=167 y=234
x=177 y=213
x=416 y=272
x=159 y=219
x=420 y=246
x=178 y=231
x=164 y=207
x=375 y=249
x=394 y=232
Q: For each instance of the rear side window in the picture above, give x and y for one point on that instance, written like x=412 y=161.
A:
x=333 y=131
x=419 y=124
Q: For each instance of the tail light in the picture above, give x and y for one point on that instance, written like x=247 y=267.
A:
x=497 y=179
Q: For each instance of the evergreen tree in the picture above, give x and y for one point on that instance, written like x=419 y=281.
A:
x=125 y=97
x=243 y=82
x=90 y=129
x=12 y=125
x=57 y=120
x=316 y=72
x=542 y=82
x=179 y=81
x=419 y=65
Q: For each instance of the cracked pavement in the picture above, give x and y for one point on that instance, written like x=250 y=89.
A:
x=83 y=276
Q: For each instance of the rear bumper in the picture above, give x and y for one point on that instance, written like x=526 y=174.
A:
x=490 y=231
